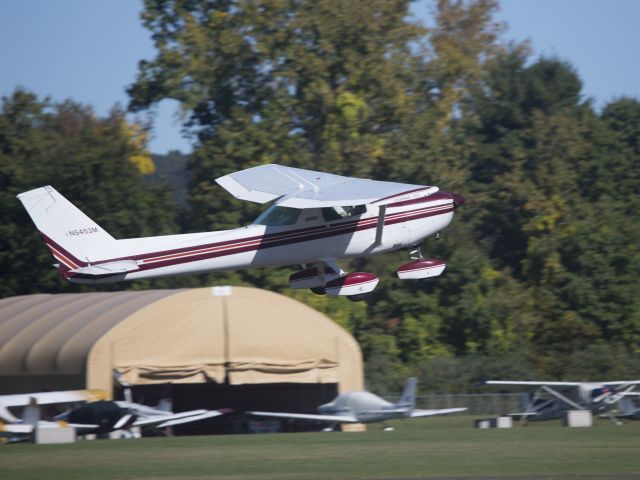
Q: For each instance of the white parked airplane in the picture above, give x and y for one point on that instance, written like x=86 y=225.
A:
x=365 y=407
x=16 y=427
x=315 y=219
x=95 y=415
x=551 y=399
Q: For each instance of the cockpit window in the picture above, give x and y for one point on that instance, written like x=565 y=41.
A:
x=276 y=216
x=336 y=213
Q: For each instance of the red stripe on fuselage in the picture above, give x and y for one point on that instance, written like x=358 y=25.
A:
x=153 y=260
x=278 y=240
x=296 y=236
x=62 y=258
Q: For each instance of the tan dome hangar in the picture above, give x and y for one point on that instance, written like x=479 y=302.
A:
x=232 y=335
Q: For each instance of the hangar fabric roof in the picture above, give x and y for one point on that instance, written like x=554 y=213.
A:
x=238 y=334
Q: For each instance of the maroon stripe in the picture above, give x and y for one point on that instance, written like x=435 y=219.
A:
x=260 y=242
x=63 y=251
x=309 y=233
x=263 y=245
x=351 y=279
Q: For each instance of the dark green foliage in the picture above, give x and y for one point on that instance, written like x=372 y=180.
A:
x=86 y=159
x=172 y=169
x=542 y=260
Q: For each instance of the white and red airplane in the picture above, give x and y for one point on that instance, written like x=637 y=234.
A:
x=315 y=219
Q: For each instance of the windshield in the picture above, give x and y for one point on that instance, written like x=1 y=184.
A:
x=276 y=216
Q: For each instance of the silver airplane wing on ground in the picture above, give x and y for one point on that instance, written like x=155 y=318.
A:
x=441 y=411
x=308 y=416
x=172 y=419
x=558 y=384
x=532 y=383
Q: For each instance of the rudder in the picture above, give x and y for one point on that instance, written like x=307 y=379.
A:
x=408 y=398
x=72 y=237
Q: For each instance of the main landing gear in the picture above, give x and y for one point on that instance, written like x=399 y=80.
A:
x=327 y=278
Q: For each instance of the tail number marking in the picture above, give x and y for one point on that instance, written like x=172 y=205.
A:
x=82 y=231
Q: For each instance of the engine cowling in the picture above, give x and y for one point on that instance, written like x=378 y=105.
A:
x=311 y=278
x=419 y=269
x=352 y=285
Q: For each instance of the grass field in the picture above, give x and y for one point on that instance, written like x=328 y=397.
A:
x=446 y=448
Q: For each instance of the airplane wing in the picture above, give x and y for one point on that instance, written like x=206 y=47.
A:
x=414 y=412
x=300 y=188
x=27 y=428
x=621 y=383
x=308 y=416
x=161 y=421
x=44 y=398
x=430 y=413
x=532 y=384
x=193 y=418
x=15 y=428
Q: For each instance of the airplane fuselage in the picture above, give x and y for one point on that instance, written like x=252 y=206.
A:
x=595 y=397
x=306 y=239
x=365 y=406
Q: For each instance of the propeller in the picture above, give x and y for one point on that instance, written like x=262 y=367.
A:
x=123 y=421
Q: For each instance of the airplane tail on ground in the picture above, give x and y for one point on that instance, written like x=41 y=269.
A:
x=32 y=413
x=73 y=238
x=408 y=398
x=165 y=404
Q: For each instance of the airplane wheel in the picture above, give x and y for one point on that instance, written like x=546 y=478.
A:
x=318 y=290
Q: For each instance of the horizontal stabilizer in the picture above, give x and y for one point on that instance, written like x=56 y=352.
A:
x=105 y=269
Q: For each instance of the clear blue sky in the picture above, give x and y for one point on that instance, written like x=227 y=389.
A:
x=88 y=50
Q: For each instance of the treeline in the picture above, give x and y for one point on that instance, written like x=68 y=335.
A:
x=543 y=259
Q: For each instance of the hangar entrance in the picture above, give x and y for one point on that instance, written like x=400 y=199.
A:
x=273 y=397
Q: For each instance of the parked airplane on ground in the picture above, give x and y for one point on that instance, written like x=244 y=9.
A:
x=551 y=399
x=315 y=219
x=95 y=415
x=108 y=416
x=365 y=407
x=31 y=403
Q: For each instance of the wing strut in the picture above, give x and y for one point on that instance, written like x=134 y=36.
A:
x=561 y=397
x=381 y=213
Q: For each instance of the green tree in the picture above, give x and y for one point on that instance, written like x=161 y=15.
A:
x=358 y=89
x=97 y=163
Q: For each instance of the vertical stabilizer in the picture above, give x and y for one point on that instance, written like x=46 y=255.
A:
x=73 y=238
x=408 y=398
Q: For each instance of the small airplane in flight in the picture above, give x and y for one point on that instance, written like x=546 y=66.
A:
x=551 y=399
x=316 y=218
x=95 y=415
x=365 y=407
